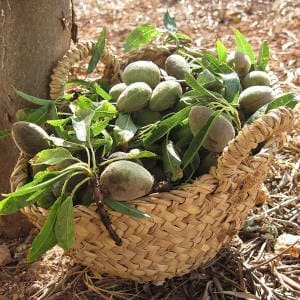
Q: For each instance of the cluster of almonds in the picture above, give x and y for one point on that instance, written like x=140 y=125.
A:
x=149 y=94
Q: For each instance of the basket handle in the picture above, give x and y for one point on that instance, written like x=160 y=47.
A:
x=269 y=126
x=77 y=53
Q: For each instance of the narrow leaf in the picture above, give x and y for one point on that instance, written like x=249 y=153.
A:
x=169 y=22
x=59 y=142
x=38 y=195
x=79 y=82
x=124 y=129
x=289 y=100
x=107 y=137
x=99 y=126
x=51 y=156
x=41 y=180
x=64 y=228
x=37 y=116
x=232 y=85
x=141 y=35
x=46 y=239
x=98 y=52
x=131 y=155
x=171 y=161
x=12 y=204
x=183 y=37
x=263 y=56
x=221 y=51
x=105 y=109
x=59 y=122
x=164 y=126
x=81 y=125
x=199 y=139
x=101 y=92
x=192 y=82
x=125 y=209
x=243 y=45
x=32 y=99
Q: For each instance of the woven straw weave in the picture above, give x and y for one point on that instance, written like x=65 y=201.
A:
x=188 y=225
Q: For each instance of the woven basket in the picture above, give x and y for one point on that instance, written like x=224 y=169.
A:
x=189 y=225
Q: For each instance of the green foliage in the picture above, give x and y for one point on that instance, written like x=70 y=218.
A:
x=86 y=128
x=221 y=51
x=263 y=57
x=124 y=130
x=98 y=52
x=141 y=36
x=125 y=209
x=198 y=140
x=171 y=160
x=243 y=45
x=169 y=22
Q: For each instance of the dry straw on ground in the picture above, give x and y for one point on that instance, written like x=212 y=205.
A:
x=250 y=265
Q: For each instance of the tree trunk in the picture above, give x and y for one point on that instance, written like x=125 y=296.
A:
x=34 y=34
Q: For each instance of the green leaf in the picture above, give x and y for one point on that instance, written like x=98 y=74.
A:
x=39 y=194
x=137 y=154
x=169 y=22
x=59 y=122
x=263 y=56
x=64 y=227
x=79 y=82
x=59 y=142
x=37 y=116
x=4 y=133
x=12 y=204
x=221 y=51
x=183 y=37
x=141 y=35
x=163 y=127
x=101 y=92
x=192 y=82
x=105 y=109
x=99 y=126
x=124 y=129
x=171 y=160
x=232 y=85
x=46 y=239
x=243 y=45
x=33 y=99
x=82 y=123
x=289 y=100
x=107 y=137
x=51 y=156
x=41 y=180
x=125 y=209
x=206 y=78
x=198 y=140
x=98 y=52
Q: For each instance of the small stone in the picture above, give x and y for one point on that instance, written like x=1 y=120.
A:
x=5 y=256
x=289 y=244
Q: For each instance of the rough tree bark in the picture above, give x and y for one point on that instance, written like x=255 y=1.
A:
x=34 y=34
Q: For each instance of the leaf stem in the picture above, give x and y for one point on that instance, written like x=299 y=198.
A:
x=67 y=181
x=78 y=186
x=104 y=216
x=88 y=155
